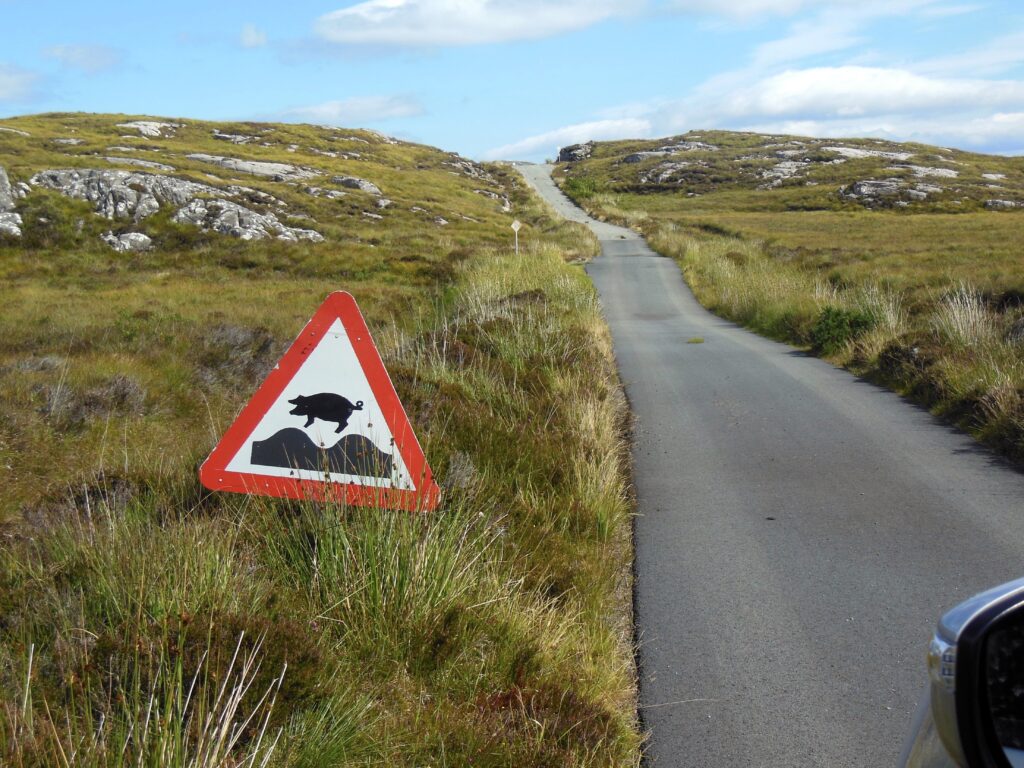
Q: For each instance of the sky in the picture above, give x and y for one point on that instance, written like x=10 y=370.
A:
x=516 y=79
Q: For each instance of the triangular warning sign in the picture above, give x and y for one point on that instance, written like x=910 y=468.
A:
x=326 y=424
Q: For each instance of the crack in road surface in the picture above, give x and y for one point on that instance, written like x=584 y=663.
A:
x=799 y=531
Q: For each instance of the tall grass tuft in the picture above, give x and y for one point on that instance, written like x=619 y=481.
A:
x=962 y=318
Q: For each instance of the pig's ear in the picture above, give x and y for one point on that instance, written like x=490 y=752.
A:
x=296 y=400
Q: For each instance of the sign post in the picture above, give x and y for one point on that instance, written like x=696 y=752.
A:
x=515 y=228
x=326 y=425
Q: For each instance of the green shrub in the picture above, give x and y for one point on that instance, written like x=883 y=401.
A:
x=582 y=187
x=834 y=327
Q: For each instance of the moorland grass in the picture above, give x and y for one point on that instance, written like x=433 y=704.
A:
x=145 y=621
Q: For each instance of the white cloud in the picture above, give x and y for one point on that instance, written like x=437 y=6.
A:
x=357 y=110
x=995 y=57
x=252 y=36
x=548 y=143
x=16 y=84
x=852 y=91
x=91 y=59
x=745 y=9
x=430 y=23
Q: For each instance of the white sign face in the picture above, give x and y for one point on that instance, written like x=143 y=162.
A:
x=325 y=425
x=516 y=225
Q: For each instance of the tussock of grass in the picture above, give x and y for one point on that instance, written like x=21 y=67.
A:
x=492 y=632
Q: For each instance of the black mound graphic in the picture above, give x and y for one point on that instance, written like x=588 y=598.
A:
x=293 y=449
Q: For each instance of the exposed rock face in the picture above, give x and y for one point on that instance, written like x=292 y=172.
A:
x=330 y=194
x=506 y=204
x=151 y=128
x=575 y=152
x=469 y=168
x=787 y=169
x=353 y=182
x=922 y=171
x=275 y=171
x=1002 y=205
x=232 y=219
x=872 y=191
x=234 y=138
x=994 y=176
x=139 y=163
x=10 y=222
x=128 y=242
x=69 y=142
x=639 y=157
x=663 y=173
x=120 y=194
x=123 y=194
x=858 y=153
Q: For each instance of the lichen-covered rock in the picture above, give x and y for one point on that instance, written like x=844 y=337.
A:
x=506 y=204
x=1002 y=205
x=859 y=153
x=127 y=242
x=575 y=152
x=873 y=190
x=354 y=182
x=122 y=194
x=275 y=171
x=10 y=222
x=234 y=138
x=330 y=194
x=232 y=219
x=140 y=163
x=151 y=128
x=469 y=168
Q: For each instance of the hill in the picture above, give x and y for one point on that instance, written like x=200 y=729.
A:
x=152 y=272
x=899 y=261
x=803 y=173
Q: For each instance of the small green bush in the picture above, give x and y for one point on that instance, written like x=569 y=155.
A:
x=582 y=187
x=834 y=327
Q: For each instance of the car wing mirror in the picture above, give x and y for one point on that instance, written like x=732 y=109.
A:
x=976 y=675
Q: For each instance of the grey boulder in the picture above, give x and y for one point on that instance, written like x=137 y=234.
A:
x=127 y=242
x=232 y=219
x=275 y=171
x=354 y=182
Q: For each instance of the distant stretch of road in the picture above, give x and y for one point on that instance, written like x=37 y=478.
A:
x=799 y=533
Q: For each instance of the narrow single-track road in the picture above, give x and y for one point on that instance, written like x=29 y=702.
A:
x=799 y=531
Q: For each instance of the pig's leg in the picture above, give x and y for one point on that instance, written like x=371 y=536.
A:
x=310 y=422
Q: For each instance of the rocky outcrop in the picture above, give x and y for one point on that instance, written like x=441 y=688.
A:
x=1002 y=205
x=922 y=171
x=994 y=176
x=139 y=163
x=229 y=218
x=137 y=195
x=470 y=169
x=275 y=171
x=152 y=129
x=662 y=174
x=122 y=194
x=318 y=192
x=575 y=152
x=353 y=182
x=234 y=138
x=874 y=193
x=10 y=222
x=506 y=204
x=127 y=242
x=859 y=153
x=69 y=142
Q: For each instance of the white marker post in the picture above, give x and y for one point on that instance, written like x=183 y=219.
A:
x=515 y=228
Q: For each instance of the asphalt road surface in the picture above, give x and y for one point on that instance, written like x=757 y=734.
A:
x=800 y=531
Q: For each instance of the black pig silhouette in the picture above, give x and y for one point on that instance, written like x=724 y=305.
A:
x=325 y=406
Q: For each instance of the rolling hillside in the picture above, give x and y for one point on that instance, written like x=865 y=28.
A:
x=153 y=270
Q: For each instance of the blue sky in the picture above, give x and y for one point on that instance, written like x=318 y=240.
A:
x=518 y=78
